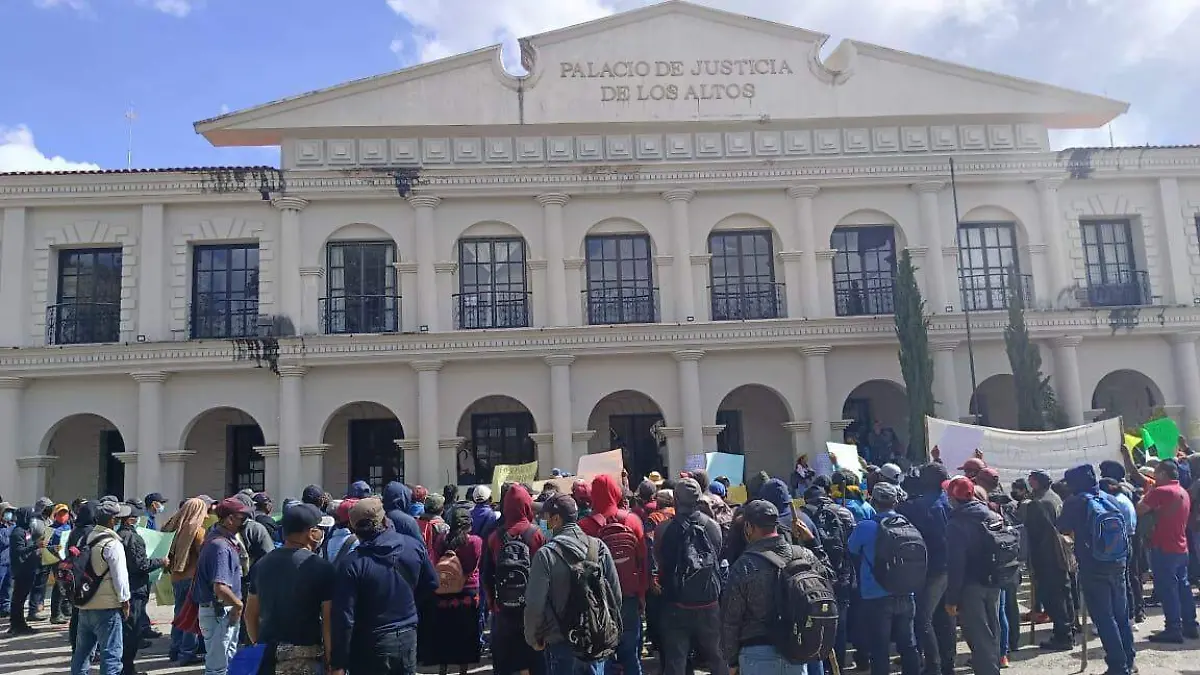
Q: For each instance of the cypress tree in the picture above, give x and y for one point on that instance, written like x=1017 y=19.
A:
x=916 y=363
x=1037 y=406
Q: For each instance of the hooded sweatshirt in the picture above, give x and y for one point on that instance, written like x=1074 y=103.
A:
x=482 y=518
x=1075 y=519
x=606 y=496
x=396 y=500
x=776 y=492
x=371 y=599
x=965 y=564
x=22 y=547
x=929 y=513
x=517 y=520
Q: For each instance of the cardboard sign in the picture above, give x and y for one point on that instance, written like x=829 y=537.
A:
x=732 y=467
x=599 y=463
x=512 y=473
x=958 y=444
x=845 y=456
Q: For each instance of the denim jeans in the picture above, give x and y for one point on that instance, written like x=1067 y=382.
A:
x=1171 y=581
x=1004 y=624
x=560 y=661
x=887 y=619
x=1106 y=602
x=183 y=645
x=98 y=628
x=765 y=660
x=221 y=638
x=5 y=588
x=934 y=631
x=393 y=653
x=686 y=627
x=628 y=658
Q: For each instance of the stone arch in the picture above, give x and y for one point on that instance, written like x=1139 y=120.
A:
x=616 y=225
x=89 y=452
x=1129 y=394
x=754 y=415
x=489 y=229
x=882 y=401
x=873 y=217
x=624 y=419
x=221 y=441
x=217 y=230
x=496 y=428
x=744 y=221
x=83 y=234
x=995 y=402
x=360 y=444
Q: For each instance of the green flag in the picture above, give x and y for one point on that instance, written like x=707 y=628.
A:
x=158 y=545
x=1163 y=434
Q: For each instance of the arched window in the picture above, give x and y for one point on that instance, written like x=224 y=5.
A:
x=864 y=270
x=987 y=258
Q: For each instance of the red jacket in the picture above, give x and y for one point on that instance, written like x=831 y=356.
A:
x=606 y=496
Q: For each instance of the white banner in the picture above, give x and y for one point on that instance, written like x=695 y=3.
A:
x=1015 y=453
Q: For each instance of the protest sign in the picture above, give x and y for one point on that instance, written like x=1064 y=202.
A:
x=822 y=464
x=512 y=473
x=695 y=462
x=1013 y=454
x=732 y=467
x=845 y=456
x=958 y=444
x=158 y=545
x=599 y=463
x=1163 y=434
x=1132 y=442
x=736 y=494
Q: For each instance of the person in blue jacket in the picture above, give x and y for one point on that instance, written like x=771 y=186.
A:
x=376 y=592
x=929 y=513
x=397 y=498
x=7 y=515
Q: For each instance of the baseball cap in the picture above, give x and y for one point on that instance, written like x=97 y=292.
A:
x=108 y=509
x=358 y=490
x=261 y=498
x=961 y=488
x=435 y=503
x=230 y=506
x=556 y=473
x=886 y=493
x=988 y=477
x=687 y=493
x=342 y=514
x=890 y=472
x=561 y=505
x=6 y=506
x=312 y=494
x=367 y=513
x=156 y=497
x=760 y=513
x=483 y=494
x=973 y=465
x=301 y=518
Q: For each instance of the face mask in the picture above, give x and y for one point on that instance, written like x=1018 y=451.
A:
x=545 y=527
x=9 y=516
x=60 y=518
x=159 y=508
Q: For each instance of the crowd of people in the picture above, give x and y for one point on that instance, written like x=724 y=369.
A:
x=813 y=574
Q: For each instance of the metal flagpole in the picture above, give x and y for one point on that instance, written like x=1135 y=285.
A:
x=130 y=118
x=963 y=294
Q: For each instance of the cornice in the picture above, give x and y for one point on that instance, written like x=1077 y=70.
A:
x=408 y=443
x=445 y=267
x=815 y=350
x=542 y=438
x=712 y=429
x=36 y=461
x=126 y=458
x=685 y=355
x=929 y=186
x=791 y=256
x=316 y=271
x=314 y=450
x=917 y=251
x=153 y=377
x=803 y=191
x=176 y=456
x=427 y=366
x=267 y=450
x=292 y=371
x=13 y=382
x=553 y=360
x=537 y=264
x=289 y=203
x=582 y=436
x=553 y=199
x=430 y=350
x=406 y=267
x=574 y=263
x=424 y=201
x=1067 y=341
x=798 y=427
x=826 y=253
x=684 y=195
x=451 y=443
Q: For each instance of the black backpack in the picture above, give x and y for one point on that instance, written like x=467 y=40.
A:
x=831 y=532
x=804 y=622
x=512 y=569
x=901 y=559
x=1000 y=556
x=692 y=578
x=591 y=618
x=75 y=575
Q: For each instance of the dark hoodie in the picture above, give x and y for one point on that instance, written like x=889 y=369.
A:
x=85 y=520
x=370 y=599
x=776 y=492
x=929 y=513
x=22 y=548
x=606 y=496
x=1075 y=519
x=397 y=498
x=517 y=520
x=964 y=560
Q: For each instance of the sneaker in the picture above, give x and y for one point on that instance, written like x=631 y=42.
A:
x=14 y=632
x=1166 y=638
x=1057 y=645
x=59 y=620
x=35 y=617
x=1003 y=661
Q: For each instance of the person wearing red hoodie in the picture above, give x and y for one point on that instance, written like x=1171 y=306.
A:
x=510 y=653
x=622 y=532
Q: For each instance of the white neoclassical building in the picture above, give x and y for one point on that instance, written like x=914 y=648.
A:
x=676 y=233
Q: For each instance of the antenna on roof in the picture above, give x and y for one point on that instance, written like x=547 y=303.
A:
x=130 y=118
x=1111 y=143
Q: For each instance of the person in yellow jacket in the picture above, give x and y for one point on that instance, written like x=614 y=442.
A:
x=101 y=617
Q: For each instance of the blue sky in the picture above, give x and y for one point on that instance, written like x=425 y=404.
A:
x=70 y=68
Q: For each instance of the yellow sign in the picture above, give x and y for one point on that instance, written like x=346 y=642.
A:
x=512 y=473
x=736 y=494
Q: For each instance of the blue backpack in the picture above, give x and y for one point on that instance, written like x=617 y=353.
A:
x=1109 y=531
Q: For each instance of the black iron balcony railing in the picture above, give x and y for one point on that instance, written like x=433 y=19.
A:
x=491 y=309
x=621 y=305
x=984 y=292
x=223 y=319
x=748 y=301
x=345 y=314
x=864 y=297
x=1125 y=288
x=78 y=323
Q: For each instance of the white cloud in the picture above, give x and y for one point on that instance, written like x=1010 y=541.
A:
x=176 y=8
x=396 y=46
x=19 y=153
x=224 y=108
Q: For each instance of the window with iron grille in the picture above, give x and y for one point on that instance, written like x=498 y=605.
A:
x=987 y=255
x=374 y=456
x=500 y=438
x=1113 y=278
x=361 y=287
x=225 y=291
x=620 y=281
x=864 y=270
x=743 y=276
x=493 y=287
x=88 y=305
x=730 y=438
x=247 y=468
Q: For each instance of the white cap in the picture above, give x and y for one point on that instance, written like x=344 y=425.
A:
x=483 y=494
x=890 y=472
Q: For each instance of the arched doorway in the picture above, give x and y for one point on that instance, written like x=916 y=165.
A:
x=87 y=448
x=753 y=416
x=879 y=409
x=1128 y=394
x=224 y=460
x=995 y=402
x=497 y=430
x=362 y=446
x=629 y=420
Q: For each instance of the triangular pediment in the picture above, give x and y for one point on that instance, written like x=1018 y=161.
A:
x=666 y=64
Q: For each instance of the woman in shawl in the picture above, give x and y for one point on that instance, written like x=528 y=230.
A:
x=510 y=652
x=450 y=624
x=188 y=526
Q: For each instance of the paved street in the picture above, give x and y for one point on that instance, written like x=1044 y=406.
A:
x=47 y=653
